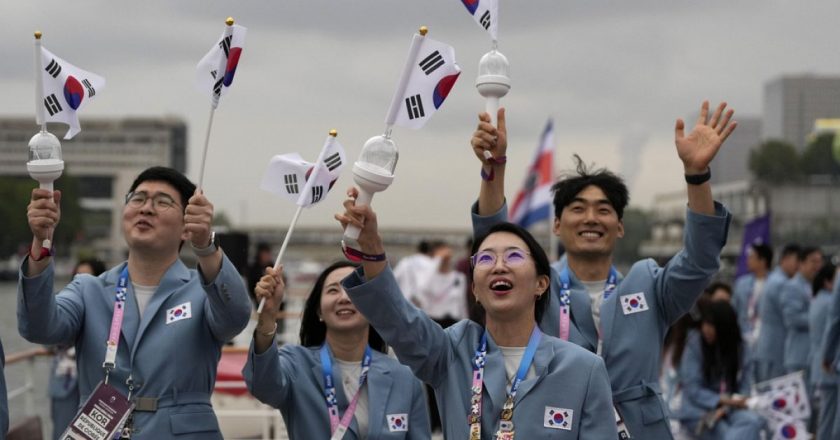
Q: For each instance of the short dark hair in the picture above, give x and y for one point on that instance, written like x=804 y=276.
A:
x=806 y=252
x=423 y=247
x=313 y=331
x=764 y=253
x=570 y=185
x=790 y=248
x=171 y=176
x=96 y=265
x=826 y=273
x=543 y=267
x=717 y=285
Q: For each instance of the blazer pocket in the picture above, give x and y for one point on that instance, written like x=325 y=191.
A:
x=191 y=422
x=651 y=408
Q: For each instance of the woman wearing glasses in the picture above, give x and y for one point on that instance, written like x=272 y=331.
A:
x=502 y=380
x=337 y=383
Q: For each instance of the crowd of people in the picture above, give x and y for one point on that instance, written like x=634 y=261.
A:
x=511 y=345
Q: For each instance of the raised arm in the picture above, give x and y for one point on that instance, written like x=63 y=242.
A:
x=489 y=139
x=697 y=149
x=419 y=342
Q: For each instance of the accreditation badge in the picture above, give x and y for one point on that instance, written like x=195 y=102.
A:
x=102 y=416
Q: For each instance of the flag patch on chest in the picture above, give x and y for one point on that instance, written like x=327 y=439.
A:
x=634 y=303
x=398 y=422
x=558 y=418
x=177 y=313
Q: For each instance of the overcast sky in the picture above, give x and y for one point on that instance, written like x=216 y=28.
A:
x=614 y=75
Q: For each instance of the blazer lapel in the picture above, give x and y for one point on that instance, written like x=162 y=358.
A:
x=175 y=277
x=581 y=306
x=379 y=390
x=495 y=378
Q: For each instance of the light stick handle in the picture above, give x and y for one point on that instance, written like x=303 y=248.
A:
x=283 y=249
x=492 y=108
x=364 y=198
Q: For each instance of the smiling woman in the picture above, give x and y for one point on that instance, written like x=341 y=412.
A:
x=499 y=379
x=338 y=346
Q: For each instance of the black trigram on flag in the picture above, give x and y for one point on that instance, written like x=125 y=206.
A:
x=217 y=86
x=485 y=20
x=53 y=68
x=225 y=45
x=317 y=193
x=431 y=62
x=333 y=161
x=213 y=74
x=89 y=87
x=291 y=183
x=414 y=105
x=52 y=104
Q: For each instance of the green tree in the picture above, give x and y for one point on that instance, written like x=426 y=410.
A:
x=15 y=192
x=775 y=161
x=818 y=157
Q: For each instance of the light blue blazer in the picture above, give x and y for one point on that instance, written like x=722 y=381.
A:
x=770 y=348
x=568 y=376
x=831 y=340
x=632 y=343
x=291 y=380
x=742 y=291
x=700 y=395
x=175 y=362
x=796 y=300
x=818 y=324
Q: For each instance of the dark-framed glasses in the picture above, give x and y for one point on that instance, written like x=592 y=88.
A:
x=160 y=201
x=512 y=257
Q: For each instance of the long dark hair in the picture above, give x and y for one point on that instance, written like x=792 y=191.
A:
x=313 y=331
x=722 y=359
x=543 y=267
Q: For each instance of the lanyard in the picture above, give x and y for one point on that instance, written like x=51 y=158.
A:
x=339 y=428
x=566 y=297
x=506 y=423
x=116 y=323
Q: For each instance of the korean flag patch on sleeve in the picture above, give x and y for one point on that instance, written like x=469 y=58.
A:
x=177 y=313
x=398 y=422
x=558 y=418
x=634 y=303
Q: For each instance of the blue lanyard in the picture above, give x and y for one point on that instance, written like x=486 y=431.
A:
x=480 y=359
x=329 y=390
x=566 y=285
x=116 y=323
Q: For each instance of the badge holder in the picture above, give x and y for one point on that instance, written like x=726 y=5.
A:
x=621 y=427
x=103 y=415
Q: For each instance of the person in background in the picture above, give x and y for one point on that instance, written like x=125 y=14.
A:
x=796 y=301
x=377 y=397
x=719 y=291
x=63 y=387
x=715 y=381
x=770 y=344
x=748 y=290
x=474 y=310
x=408 y=267
x=829 y=354
x=823 y=383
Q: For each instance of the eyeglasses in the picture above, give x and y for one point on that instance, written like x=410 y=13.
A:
x=512 y=257
x=160 y=201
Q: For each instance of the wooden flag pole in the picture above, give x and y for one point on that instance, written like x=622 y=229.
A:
x=283 y=249
x=206 y=146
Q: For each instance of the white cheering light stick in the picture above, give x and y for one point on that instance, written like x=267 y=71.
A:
x=493 y=83
x=373 y=172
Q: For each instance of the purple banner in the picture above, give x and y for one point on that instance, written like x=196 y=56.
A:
x=757 y=231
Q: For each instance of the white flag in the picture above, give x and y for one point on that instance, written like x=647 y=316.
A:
x=214 y=73
x=302 y=182
x=486 y=14
x=66 y=89
x=429 y=75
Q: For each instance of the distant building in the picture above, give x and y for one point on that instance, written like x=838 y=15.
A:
x=792 y=104
x=106 y=157
x=732 y=162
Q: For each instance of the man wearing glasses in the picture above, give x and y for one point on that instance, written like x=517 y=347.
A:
x=173 y=320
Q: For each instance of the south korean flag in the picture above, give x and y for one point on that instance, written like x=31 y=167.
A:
x=558 y=418
x=430 y=73
x=302 y=182
x=486 y=14
x=398 y=422
x=65 y=90
x=178 y=313
x=634 y=303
